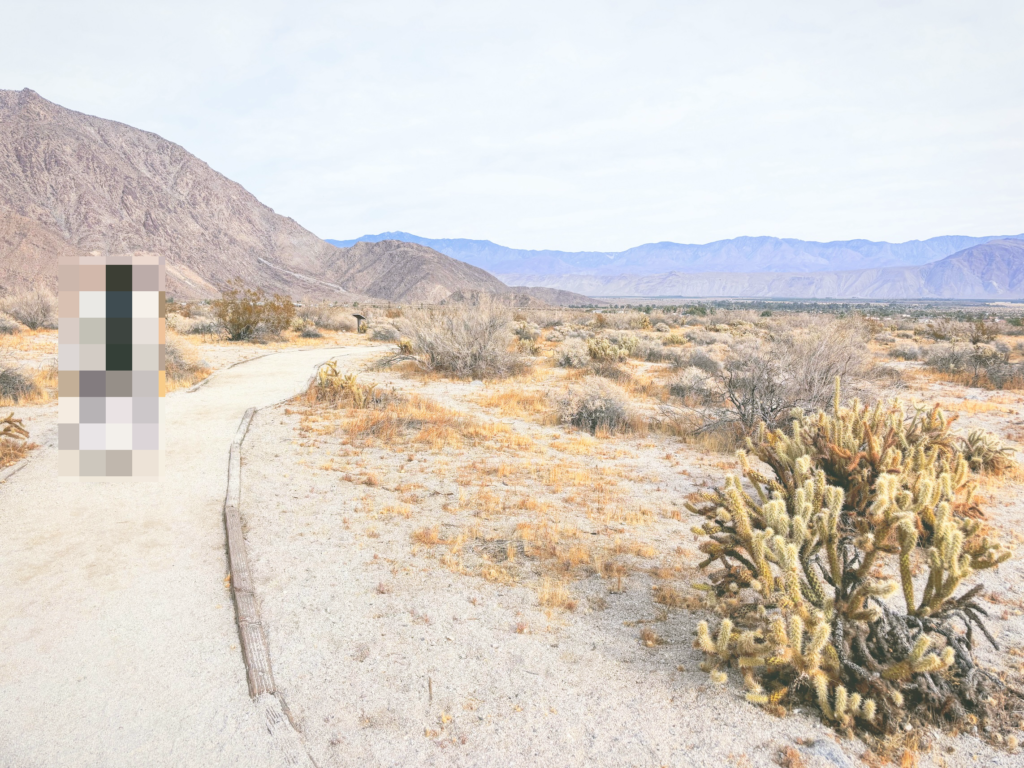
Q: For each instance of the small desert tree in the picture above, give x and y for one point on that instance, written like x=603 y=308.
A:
x=247 y=313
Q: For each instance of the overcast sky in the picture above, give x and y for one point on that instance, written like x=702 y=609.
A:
x=590 y=125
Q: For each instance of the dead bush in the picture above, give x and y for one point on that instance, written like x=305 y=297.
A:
x=572 y=353
x=464 y=341
x=248 y=313
x=8 y=325
x=15 y=384
x=327 y=317
x=34 y=309
x=905 y=351
x=764 y=379
x=976 y=365
x=593 y=404
x=182 y=365
x=14 y=444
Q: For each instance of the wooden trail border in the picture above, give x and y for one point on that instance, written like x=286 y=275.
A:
x=250 y=629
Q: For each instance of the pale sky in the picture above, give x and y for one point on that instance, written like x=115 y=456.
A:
x=571 y=125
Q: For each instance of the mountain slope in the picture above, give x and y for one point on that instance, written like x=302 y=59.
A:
x=992 y=270
x=71 y=183
x=741 y=254
x=406 y=272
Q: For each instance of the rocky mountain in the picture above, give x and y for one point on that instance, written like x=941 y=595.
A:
x=741 y=254
x=73 y=183
x=991 y=270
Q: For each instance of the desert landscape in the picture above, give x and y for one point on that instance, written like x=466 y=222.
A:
x=472 y=531
x=668 y=412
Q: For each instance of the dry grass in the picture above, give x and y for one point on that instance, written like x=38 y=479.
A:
x=516 y=402
x=13 y=451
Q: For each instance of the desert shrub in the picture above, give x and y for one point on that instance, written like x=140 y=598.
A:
x=707 y=338
x=695 y=386
x=674 y=339
x=526 y=331
x=976 y=365
x=805 y=552
x=195 y=325
x=905 y=351
x=905 y=334
x=554 y=337
x=15 y=384
x=181 y=363
x=985 y=452
x=947 y=329
x=34 y=309
x=327 y=317
x=384 y=332
x=593 y=404
x=698 y=358
x=310 y=331
x=464 y=341
x=762 y=380
x=662 y=328
x=884 y=338
x=248 y=313
x=8 y=325
x=572 y=353
x=622 y=321
x=652 y=350
x=623 y=340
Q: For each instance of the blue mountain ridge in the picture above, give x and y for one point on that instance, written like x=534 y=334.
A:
x=740 y=254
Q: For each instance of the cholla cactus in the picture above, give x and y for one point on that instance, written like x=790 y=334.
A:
x=331 y=386
x=986 y=453
x=602 y=350
x=811 y=557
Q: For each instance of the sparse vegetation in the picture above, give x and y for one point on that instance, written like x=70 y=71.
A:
x=182 y=365
x=14 y=444
x=34 y=309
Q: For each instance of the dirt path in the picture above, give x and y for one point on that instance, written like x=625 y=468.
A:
x=118 y=634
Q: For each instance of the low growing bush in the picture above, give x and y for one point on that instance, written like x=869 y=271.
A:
x=34 y=309
x=593 y=404
x=8 y=325
x=572 y=353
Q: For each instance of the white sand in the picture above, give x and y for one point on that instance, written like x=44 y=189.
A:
x=118 y=638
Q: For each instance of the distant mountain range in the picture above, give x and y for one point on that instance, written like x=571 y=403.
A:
x=992 y=270
x=741 y=254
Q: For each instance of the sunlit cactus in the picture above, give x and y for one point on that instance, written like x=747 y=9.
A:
x=806 y=562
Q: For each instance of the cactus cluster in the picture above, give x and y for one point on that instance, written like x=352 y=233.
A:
x=813 y=567
x=985 y=452
x=332 y=386
x=603 y=350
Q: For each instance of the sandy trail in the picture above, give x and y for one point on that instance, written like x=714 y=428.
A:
x=118 y=634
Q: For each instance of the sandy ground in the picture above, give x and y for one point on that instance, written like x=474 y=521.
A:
x=118 y=633
x=391 y=649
